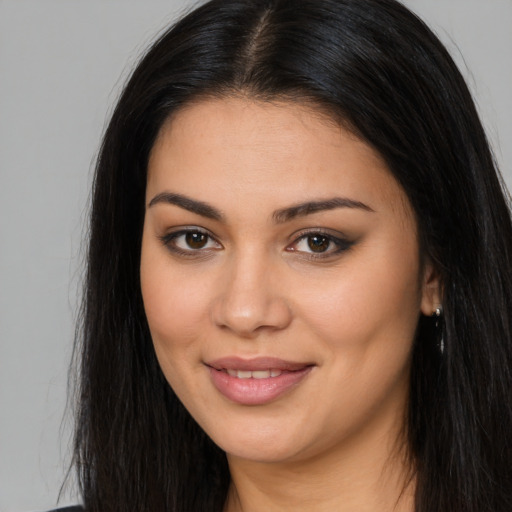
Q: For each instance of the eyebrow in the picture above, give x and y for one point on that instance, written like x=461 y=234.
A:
x=303 y=209
x=279 y=216
x=192 y=205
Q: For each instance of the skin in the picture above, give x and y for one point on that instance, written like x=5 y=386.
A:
x=254 y=287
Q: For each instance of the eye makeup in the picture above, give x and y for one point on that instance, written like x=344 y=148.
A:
x=319 y=244
x=314 y=243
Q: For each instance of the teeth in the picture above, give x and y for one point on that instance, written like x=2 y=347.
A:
x=262 y=374
x=257 y=374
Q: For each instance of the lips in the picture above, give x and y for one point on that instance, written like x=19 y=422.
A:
x=253 y=374
x=256 y=364
x=256 y=381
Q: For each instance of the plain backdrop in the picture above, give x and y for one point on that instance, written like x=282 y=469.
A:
x=62 y=63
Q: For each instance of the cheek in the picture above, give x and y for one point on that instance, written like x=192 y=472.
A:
x=373 y=300
x=175 y=304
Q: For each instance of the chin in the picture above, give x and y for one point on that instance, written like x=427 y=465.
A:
x=262 y=442
x=261 y=452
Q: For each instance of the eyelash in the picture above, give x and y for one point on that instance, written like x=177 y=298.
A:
x=170 y=239
x=341 y=244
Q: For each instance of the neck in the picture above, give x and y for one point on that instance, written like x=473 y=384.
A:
x=368 y=475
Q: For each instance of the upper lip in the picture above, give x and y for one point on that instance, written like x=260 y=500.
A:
x=255 y=364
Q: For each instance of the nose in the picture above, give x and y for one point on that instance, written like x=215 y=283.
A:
x=251 y=298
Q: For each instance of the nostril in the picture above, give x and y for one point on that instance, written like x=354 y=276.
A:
x=252 y=315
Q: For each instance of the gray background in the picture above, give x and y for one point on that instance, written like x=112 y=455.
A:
x=62 y=63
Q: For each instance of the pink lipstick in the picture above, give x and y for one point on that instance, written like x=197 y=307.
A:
x=255 y=381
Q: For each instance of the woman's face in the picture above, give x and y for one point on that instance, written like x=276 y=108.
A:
x=281 y=279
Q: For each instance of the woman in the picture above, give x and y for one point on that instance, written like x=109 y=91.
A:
x=299 y=285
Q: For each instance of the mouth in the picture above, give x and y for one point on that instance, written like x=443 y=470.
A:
x=255 y=365
x=252 y=374
x=256 y=381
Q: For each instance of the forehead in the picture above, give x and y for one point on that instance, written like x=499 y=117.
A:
x=248 y=148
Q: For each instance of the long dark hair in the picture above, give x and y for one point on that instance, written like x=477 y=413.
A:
x=375 y=67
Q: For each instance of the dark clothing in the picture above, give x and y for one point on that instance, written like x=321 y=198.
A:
x=75 y=508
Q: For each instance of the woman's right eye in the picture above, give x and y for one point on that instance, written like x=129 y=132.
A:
x=190 y=241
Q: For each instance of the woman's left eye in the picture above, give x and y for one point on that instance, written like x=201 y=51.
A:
x=319 y=244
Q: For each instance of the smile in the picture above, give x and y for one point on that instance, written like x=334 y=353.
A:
x=256 y=374
x=256 y=381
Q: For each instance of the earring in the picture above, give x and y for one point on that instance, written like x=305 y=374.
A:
x=438 y=314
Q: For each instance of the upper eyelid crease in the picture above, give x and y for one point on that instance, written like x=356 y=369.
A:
x=342 y=244
x=184 y=231
x=337 y=240
x=169 y=239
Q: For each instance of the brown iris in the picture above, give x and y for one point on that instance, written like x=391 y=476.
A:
x=196 y=240
x=318 y=243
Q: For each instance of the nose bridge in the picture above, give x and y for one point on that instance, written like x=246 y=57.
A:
x=251 y=299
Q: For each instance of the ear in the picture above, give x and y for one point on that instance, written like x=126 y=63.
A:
x=431 y=293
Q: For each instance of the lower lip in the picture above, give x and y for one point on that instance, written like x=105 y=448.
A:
x=256 y=391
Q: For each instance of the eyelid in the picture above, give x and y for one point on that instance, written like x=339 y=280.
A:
x=173 y=234
x=340 y=240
